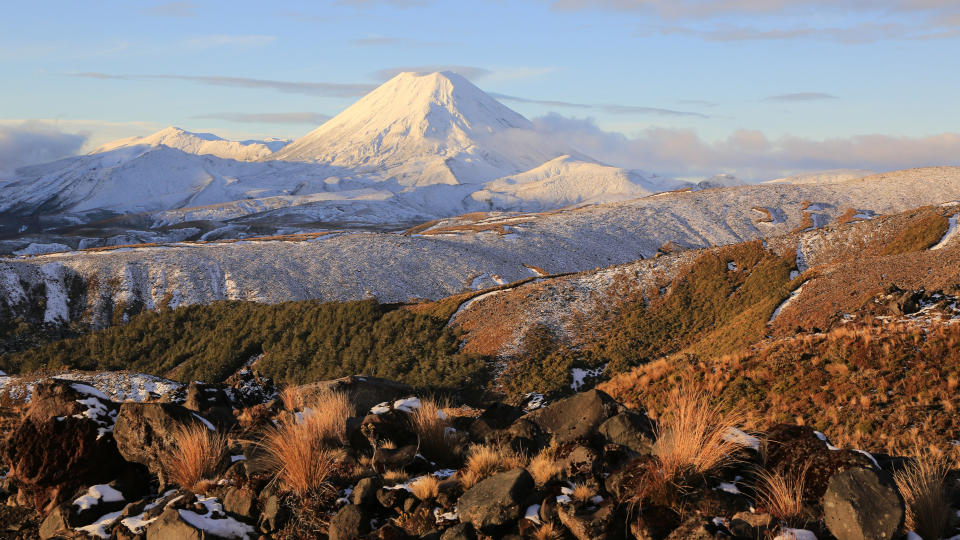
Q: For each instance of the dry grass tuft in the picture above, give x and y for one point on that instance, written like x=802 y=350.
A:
x=425 y=487
x=922 y=486
x=544 y=466
x=291 y=398
x=546 y=532
x=432 y=426
x=297 y=453
x=582 y=493
x=782 y=496
x=326 y=416
x=692 y=439
x=485 y=460
x=395 y=476
x=195 y=457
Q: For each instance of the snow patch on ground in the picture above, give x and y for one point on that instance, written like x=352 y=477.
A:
x=743 y=439
x=950 y=234
x=57 y=310
x=101 y=527
x=579 y=376
x=785 y=303
x=215 y=521
x=100 y=493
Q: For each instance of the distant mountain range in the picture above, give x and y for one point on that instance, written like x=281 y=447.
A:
x=419 y=147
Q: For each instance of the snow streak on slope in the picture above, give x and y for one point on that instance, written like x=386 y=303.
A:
x=423 y=129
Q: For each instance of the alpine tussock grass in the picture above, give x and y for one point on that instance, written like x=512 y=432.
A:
x=300 y=450
x=693 y=437
x=922 y=486
x=195 y=456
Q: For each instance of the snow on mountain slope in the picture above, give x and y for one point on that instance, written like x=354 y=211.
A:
x=143 y=178
x=395 y=267
x=823 y=177
x=199 y=144
x=564 y=181
x=423 y=129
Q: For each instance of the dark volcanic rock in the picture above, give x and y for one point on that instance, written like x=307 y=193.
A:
x=50 y=459
x=350 y=523
x=863 y=504
x=576 y=416
x=630 y=429
x=496 y=501
x=144 y=431
x=792 y=448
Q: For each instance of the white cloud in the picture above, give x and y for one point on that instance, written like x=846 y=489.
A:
x=749 y=154
x=33 y=141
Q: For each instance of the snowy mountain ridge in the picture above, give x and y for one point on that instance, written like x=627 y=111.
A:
x=419 y=147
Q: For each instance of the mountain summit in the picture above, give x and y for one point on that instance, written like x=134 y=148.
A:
x=422 y=129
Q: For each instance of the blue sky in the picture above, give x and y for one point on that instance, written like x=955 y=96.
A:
x=680 y=87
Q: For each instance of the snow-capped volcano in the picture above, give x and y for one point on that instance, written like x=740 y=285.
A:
x=424 y=129
x=419 y=147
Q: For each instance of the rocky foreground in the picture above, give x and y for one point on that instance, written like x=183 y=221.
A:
x=364 y=458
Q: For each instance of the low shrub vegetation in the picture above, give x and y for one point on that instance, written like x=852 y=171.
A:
x=300 y=342
x=195 y=457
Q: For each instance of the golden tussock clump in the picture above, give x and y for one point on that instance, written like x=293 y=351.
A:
x=922 y=486
x=196 y=455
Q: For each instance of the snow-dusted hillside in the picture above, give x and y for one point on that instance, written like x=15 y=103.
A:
x=823 y=177
x=449 y=257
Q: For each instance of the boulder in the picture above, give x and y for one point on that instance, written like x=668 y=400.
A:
x=461 y=531
x=863 y=504
x=364 y=392
x=145 y=431
x=496 y=418
x=241 y=502
x=365 y=492
x=211 y=401
x=51 y=459
x=496 y=501
x=60 y=397
x=586 y=525
x=630 y=429
x=57 y=521
x=171 y=525
x=576 y=416
x=791 y=448
x=349 y=523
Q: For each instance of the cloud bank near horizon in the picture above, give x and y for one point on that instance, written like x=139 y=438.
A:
x=32 y=142
x=748 y=154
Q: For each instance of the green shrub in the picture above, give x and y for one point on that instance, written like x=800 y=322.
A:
x=300 y=342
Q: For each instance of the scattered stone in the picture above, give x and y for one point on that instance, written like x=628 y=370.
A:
x=241 y=502
x=863 y=504
x=576 y=416
x=365 y=492
x=629 y=429
x=497 y=500
x=144 y=431
x=350 y=523
x=461 y=531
